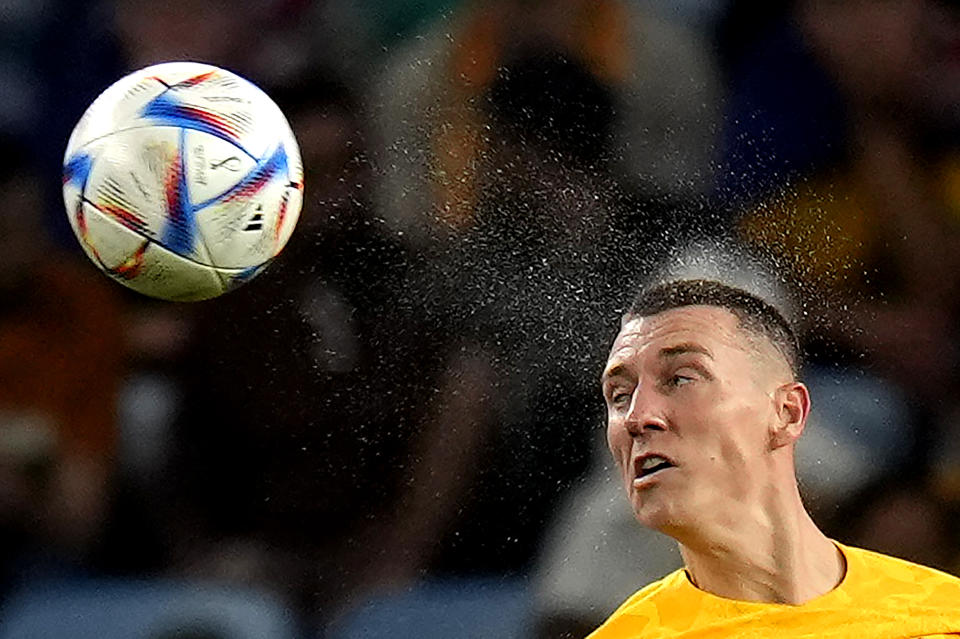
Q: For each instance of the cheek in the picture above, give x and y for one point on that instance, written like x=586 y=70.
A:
x=618 y=439
x=740 y=441
x=728 y=434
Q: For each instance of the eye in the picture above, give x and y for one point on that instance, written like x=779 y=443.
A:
x=679 y=379
x=619 y=398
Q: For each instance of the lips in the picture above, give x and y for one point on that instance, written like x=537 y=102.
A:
x=650 y=463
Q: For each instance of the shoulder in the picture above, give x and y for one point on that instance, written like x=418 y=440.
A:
x=894 y=577
x=644 y=608
x=665 y=587
x=889 y=564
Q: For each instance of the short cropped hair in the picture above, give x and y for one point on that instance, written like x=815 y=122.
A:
x=754 y=314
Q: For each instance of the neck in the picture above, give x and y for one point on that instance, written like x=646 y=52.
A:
x=774 y=553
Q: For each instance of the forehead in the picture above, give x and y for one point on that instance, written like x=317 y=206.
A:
x=709 y=327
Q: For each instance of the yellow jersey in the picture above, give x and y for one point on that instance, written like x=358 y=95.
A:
x=879 y=596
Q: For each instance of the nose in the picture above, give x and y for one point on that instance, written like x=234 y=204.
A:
x=645 y=413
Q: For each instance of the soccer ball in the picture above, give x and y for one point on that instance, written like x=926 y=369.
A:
x=182 y=181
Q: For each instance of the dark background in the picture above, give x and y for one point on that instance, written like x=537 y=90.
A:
x=396 y=429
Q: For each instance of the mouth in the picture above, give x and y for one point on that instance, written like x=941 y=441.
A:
x=650 y=465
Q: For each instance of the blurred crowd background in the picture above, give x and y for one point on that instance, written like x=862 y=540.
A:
x=396 y=430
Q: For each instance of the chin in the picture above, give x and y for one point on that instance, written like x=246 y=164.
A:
x=655 y=516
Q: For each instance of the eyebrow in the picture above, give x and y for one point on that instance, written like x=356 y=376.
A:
x=682 y=349
x=618 y=370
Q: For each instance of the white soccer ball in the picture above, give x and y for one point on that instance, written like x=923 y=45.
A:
x=182 y=181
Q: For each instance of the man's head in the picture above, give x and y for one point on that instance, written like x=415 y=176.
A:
x=701 y=383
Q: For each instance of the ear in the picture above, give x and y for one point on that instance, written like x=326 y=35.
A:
x=792 y=404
